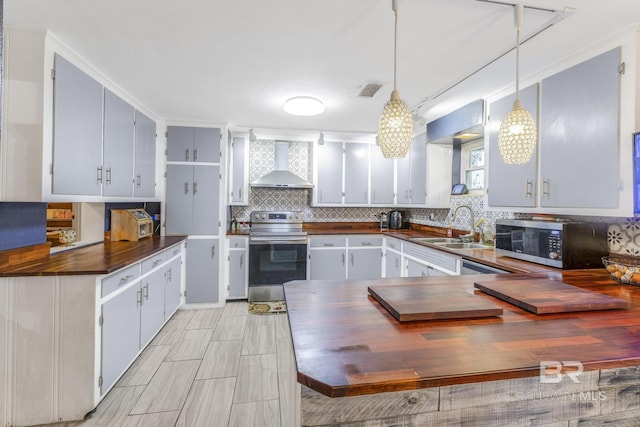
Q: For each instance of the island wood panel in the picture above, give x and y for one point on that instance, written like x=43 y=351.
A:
x=100 y=258
x=347 y=344
x=549 y=296
x=431 y=302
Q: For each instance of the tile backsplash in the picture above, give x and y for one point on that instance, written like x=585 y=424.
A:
x=623 y=233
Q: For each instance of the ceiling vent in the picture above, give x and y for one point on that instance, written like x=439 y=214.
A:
x=368 y=90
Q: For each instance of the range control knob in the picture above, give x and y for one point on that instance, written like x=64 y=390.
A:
x=553 y=255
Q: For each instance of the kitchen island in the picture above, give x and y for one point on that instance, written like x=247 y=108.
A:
x=357 y=363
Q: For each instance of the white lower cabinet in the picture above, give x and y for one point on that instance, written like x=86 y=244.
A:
x=345 y=257
x=424 y=261
x=238 y=268
x=120 y=334
x=203 y=266
x=132 y=315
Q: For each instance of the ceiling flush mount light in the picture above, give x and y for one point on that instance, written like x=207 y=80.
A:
x=304 y=106
x=517 y=134
x=395 y=128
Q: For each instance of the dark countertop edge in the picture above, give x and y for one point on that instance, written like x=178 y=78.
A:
x=39 y=267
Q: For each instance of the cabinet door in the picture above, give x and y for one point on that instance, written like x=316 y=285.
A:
x=403 y=180
x=152 y=310
x=328 y=264
x=179 y=200
x=381 y=178
x=238 y=184
x=180 y=143
x=118 y=146
x=206 y=200
x=173 y=288
x=237 y=274
x=120 y=334
x=417 y=269
x=580 y=110
x=145 y=156
x=393 y=264
x=418 y=168
x=329 y=186
x=519 y=189
x=356 y=173
x=365 y=263
x=206 y=145
x=202 y=270
x=77 y=131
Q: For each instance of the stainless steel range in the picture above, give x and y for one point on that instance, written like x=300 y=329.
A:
x=277 y=253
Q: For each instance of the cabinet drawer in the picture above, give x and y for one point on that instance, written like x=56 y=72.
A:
x=153 y=261
x=238 y=243
x=328 y=242
x=173 y=251
x=120 y=278
x=355 y=241
x=394 y=244
x=432 y=256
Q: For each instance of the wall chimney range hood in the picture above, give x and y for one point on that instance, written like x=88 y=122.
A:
x=465 y=124
x=280 y=176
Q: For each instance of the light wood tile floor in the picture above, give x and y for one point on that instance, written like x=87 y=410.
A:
x=208 y=367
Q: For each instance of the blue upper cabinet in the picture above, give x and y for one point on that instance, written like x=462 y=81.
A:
x=193 y=144
x=118 y=146
x=77 y=132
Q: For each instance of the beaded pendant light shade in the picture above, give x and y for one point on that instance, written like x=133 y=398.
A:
x=518 y=133
x=395 y=128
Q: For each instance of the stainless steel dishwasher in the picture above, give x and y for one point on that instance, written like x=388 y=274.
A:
x=472 y=267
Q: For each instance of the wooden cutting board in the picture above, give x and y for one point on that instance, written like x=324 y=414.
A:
x=542 y=296
x=431 y=302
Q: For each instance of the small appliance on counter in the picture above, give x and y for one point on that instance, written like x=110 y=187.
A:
x=398 y=220
x=561 y=244
x=130 y=224
x=384 y=221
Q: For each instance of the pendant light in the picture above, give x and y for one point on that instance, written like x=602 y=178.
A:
x=517 y=134
x=395 y=128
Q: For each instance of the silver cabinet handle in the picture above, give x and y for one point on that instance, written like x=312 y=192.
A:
x=213 y=251
x=195 y=187
x=138 y=181
x=240 y=193
x=146 y=291
x=186 y=154
x=241 y=260
x=546 y=188
x=99 y=175
x=125 y=279
x=424 y=274
x=366 y=243
x=139 y=297
x=397 y=263
x=156 y=262
x=109 y=175
x=186 y=187
x=528 y=189
x=195 y=154
x=365 y=195
x=343 y=258
x=169 y=274
x=327 y=244
x=351 y=258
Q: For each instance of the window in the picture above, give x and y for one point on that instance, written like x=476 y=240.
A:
x=473 y=166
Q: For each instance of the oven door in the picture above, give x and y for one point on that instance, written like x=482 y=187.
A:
x=273 y=263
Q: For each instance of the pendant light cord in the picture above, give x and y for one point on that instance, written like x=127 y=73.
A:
x=519 y=11
x=394 y=4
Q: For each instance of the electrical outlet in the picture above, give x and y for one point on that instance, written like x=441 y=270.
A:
x=432 y=216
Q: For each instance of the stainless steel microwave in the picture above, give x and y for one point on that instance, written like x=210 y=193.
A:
x=566 y=245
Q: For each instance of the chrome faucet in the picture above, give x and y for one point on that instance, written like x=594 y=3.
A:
x=466 y=237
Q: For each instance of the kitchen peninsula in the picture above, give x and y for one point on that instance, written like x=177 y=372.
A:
x=356 y=362
x=72 y=322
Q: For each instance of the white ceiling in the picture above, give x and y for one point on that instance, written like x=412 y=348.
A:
x=237 y=61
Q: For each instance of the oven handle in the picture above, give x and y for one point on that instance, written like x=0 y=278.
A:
x=276 y=241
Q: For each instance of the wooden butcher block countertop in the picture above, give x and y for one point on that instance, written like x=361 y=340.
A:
x=347 y=344
x=100 y=258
